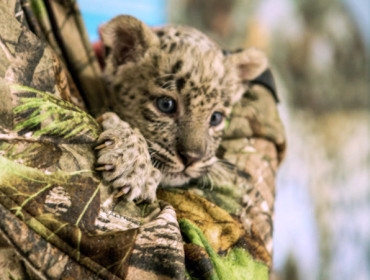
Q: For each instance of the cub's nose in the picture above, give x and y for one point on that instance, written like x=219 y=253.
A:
x=189 y=157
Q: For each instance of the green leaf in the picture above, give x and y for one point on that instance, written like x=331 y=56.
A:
x=238 y=264
x=55 y=116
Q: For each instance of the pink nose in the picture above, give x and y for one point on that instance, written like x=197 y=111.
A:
x=189 y=157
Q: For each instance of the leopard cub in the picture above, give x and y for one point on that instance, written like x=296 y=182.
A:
x=172 y=91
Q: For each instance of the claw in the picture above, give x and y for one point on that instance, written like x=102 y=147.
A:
x=138 y=201
x=100 y=119
x=104 y=145
x=123 y=191
x=106 y=167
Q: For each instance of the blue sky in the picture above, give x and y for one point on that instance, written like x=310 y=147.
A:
x=361 y=9
x=96 y=12
x=154 y=12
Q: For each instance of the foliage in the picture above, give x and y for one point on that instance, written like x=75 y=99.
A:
x=237 y=264
x=56 y=117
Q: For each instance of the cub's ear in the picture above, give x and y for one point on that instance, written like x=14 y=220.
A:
x=250 y=63
x=126 y=39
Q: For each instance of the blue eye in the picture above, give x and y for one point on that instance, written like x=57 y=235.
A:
x=216 y=118
x=166 y=105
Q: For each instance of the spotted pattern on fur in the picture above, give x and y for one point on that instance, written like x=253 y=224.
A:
x=175 y=62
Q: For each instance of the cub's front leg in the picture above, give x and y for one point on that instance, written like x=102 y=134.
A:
x=124 y=160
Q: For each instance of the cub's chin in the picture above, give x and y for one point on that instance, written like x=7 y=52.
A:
x=174 y=179
x=178 y=179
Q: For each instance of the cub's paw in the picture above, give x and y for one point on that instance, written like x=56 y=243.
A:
x=124 y=160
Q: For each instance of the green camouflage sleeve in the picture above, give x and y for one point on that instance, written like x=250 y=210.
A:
x=53 y=222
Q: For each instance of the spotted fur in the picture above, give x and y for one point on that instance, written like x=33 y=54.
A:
x=181 y=63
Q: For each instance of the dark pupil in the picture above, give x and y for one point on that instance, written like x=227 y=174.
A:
x=216 y=118
x=166 y=104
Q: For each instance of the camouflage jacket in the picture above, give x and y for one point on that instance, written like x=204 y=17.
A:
x=52 y=222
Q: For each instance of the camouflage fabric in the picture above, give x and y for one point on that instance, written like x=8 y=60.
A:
x=53 y=222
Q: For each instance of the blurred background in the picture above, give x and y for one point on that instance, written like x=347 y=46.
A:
x=320 y=54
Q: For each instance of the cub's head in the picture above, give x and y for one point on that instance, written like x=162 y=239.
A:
x=177 y=87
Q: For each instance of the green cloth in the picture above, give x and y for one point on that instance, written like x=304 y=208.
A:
x=52 y=210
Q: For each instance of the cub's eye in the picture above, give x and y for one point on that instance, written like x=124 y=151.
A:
x=166 y=105
x=216 y=118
